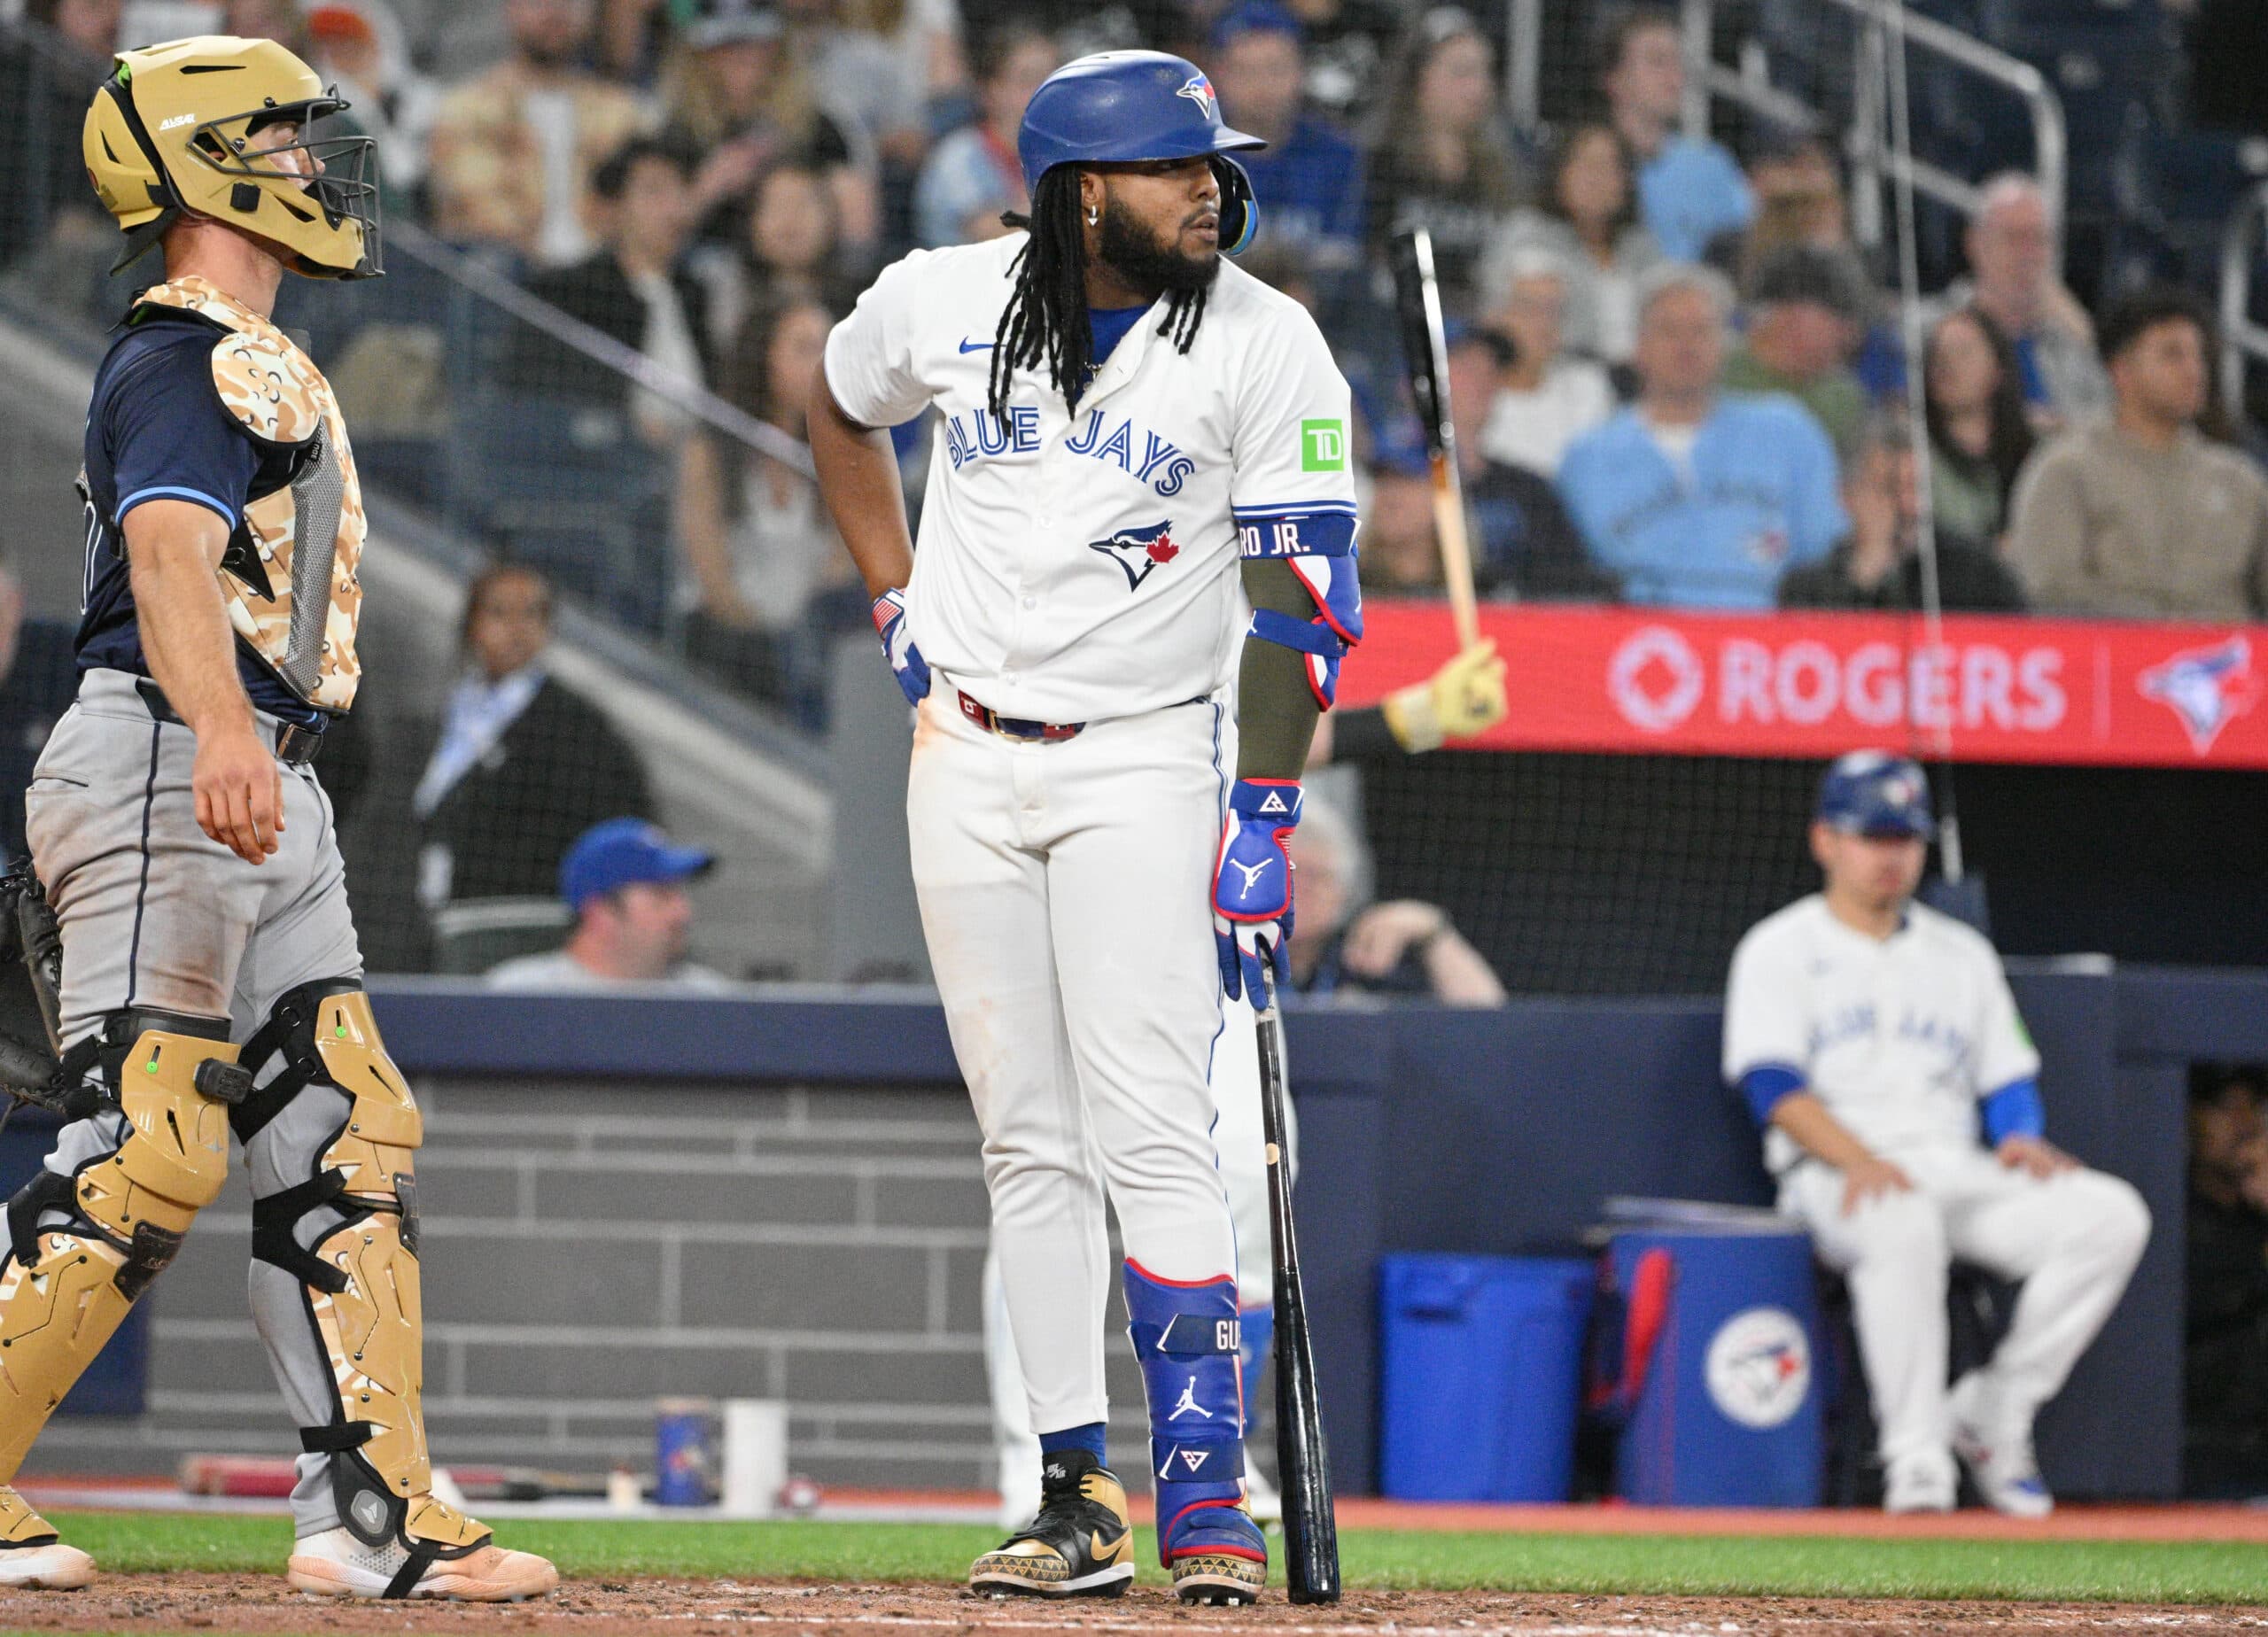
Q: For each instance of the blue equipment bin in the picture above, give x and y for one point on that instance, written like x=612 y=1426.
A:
x=1730 y=1412
x=1480 y=1370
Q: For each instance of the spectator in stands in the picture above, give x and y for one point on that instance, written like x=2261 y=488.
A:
x=1524 y=545
x=634 y=289
x=1980 y=436
x=1308 y=179
x=2011 y=245
x=759 y=545
x=1343 y=946
x=45 y=79
x=522 y=766
x=1689 y=190
x=737 y=97
x=1875 y=1041
x=1349 y=43
x=1700 y=498
x=1440 y=160
x=794 y=249
x=2224 y=1407
x=2141 y=516
x=1799 y=193
x=1878 y=564
x=625 y=883
x=360 y=45
x=513 y=150
x=38 y=678
x=1545 y=399
x=974 y=175
x=1588 y=221
x=1401 y=557
x=1805 y=319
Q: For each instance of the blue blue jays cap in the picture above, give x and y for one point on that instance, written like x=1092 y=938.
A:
x=1257 y=17
x=622 y=852
x=1875 y=793
x=1126 y=107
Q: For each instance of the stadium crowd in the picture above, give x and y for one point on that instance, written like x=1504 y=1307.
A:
x=1679 y=379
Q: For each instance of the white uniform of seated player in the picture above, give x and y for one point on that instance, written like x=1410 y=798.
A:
x=1879 y=1045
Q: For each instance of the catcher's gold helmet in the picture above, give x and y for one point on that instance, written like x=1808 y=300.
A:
x=171 y=133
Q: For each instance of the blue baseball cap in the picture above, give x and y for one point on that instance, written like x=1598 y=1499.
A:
x=1257 y=17
x=620 y=853
x=1875 y=792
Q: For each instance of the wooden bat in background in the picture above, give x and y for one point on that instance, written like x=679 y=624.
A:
x=1417 y=303
x=1310 y=1527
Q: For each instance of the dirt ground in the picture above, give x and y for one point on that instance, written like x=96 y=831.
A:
x=219 y=1604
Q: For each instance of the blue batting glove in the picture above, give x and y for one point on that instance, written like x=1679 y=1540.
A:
x=905 y=661
x=1252 y=885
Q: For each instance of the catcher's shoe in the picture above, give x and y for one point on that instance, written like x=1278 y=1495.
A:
x=1217 y=1555
x=31 y=1555
x=1079 y=1546
x=335 y=1564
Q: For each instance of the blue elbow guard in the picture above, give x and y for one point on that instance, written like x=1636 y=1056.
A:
x=2015 y=1110
x=1318 y=545
x=1765 y=1086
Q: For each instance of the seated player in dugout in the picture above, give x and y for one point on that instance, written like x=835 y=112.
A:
x=1880 y=1050
x=208 y=976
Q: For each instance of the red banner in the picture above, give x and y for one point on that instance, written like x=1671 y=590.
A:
x=1990 y=689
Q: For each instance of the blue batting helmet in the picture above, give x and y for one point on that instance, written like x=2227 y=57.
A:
x=1124 y=107
x=1874 y=793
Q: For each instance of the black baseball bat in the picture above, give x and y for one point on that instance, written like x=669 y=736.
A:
x=1310 y=1529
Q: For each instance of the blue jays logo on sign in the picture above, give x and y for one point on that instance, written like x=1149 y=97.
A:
x=1199 y=89
x=1140 y=551
x=2208 y=688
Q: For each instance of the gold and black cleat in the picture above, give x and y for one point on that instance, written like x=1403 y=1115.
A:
x=1081 y=1544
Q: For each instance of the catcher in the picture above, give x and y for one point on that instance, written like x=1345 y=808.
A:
x=188 y=924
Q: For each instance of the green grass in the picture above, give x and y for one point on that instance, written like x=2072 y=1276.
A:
x=2188 y=1572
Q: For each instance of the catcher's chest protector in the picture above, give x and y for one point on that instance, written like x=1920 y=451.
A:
x=289 y=573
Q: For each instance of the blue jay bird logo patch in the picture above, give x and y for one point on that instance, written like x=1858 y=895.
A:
x=1199 y=89
x=1140 y=551
x=2207 y=688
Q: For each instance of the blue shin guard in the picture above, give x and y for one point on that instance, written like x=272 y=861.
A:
x=1185 y=1338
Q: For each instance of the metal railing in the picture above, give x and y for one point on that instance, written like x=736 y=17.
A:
x=2243 y=338
x=1866 y=141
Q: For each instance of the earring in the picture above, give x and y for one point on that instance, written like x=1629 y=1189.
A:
x=1093 y=215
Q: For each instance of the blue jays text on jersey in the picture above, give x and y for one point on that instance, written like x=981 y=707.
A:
x=978 y=435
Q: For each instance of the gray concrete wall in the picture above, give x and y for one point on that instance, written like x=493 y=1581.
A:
x=588 y=1249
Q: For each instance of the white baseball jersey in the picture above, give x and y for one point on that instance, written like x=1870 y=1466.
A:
x=1079 y=567
x=1900 y=1037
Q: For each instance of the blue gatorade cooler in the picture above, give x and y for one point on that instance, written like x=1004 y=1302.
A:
x=1481 y=1372
x=1726 y=1405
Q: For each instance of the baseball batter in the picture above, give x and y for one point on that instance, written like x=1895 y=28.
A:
x=210 y=976
x=1132 y=429
x=1874 y=1039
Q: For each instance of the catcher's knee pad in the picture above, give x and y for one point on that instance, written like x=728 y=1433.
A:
x=358 y=1264
x=1186 y=1338
x=66 y=1287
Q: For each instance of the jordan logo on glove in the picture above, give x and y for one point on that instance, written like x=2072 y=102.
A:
x=1252 y=903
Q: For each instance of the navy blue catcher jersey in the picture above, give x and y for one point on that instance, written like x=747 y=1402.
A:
x=156 y=430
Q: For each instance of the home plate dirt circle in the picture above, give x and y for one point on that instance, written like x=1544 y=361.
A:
x=216 y=1604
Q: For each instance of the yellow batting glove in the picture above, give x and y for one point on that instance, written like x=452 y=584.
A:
x=1463 y=700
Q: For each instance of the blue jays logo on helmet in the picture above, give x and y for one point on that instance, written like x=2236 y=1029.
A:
x=1140 y=551
x=1126 y=107
x=1875 y=793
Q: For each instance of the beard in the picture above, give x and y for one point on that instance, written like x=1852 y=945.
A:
x=1144 y=260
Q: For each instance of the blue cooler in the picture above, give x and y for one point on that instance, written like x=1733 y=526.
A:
x=1729 y=1408
x=1481 y=1374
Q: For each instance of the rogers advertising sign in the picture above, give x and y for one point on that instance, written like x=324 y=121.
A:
x=1815 y=685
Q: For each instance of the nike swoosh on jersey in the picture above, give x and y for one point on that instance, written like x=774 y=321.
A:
x=968 y=346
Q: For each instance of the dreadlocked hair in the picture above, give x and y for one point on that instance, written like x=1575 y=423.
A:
x=1046 y=315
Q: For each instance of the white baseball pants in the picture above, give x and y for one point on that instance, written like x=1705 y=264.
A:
x=2072 y=1240
x=1065 y=890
